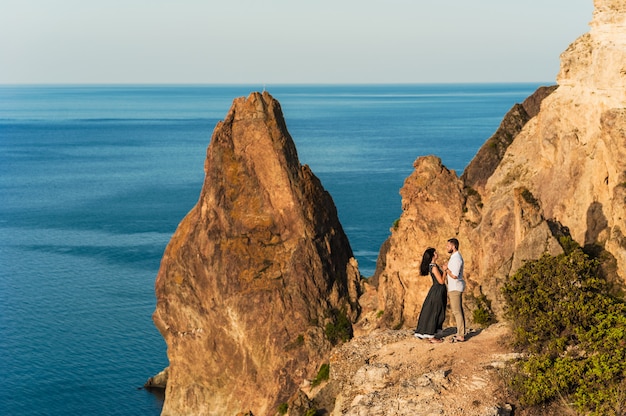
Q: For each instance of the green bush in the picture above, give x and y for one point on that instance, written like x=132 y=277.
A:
x=340 y=328
x=322 y=375
x=574 y=330
x=568 y=244
x=529 y=197
x=483 y=315
x=298 y=342
x=282 y=409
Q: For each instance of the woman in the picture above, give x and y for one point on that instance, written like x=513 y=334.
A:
x=434 y=308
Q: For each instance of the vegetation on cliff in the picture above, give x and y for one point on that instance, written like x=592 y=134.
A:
x=574 y=333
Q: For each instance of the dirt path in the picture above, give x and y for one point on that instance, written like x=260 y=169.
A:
x=473 y=369
x=393 y=373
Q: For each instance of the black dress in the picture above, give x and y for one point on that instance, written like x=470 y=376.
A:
x=434 y=308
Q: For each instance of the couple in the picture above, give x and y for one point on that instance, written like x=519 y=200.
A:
x=434 y=308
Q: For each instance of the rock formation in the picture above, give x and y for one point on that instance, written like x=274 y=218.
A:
x=559 y=171
x=257 y=277
x=569 y=160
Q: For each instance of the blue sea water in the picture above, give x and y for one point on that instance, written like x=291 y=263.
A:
x=95 y=179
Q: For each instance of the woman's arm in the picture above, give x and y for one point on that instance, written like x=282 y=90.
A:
x=438 y=275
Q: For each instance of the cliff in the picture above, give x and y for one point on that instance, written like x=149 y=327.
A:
x=255 y=275
x=556 y=168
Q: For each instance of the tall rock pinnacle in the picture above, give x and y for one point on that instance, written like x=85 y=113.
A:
x=254 y=274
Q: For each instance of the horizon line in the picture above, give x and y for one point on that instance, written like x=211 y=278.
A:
x=225 y=84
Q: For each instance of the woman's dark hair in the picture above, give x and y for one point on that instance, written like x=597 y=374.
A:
x=426 y=259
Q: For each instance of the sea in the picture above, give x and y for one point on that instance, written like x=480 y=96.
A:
x=94 y=180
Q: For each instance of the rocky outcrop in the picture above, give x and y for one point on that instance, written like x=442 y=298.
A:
x=559 y=171
x=436 y=205
x=258 y=281
x=570 y=159
x=158 y=381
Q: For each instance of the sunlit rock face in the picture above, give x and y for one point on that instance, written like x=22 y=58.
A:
x=557 y=170
x=571 y=157
x=492 y=151
x=253 y=274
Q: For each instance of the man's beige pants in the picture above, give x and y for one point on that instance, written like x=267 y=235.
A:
x=456 y=304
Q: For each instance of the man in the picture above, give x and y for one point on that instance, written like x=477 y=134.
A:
x=456 y=285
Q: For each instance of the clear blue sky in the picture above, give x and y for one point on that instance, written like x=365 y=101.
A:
x=286 y=41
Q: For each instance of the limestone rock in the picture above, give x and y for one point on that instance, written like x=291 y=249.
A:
x=556 y=166
x=158 y=381
x=253 y=274
x=490 y=154
x=571 y=156
x=437 y=206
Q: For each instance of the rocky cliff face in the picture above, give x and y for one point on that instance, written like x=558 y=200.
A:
x=557 y=171
x=253 y=274
x=568 y=161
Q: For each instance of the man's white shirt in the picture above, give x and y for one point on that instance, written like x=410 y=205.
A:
x=455 y=265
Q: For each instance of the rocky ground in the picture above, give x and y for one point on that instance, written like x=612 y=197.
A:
x=391 y=372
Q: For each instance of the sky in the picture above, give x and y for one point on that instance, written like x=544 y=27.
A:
x=286 y=41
